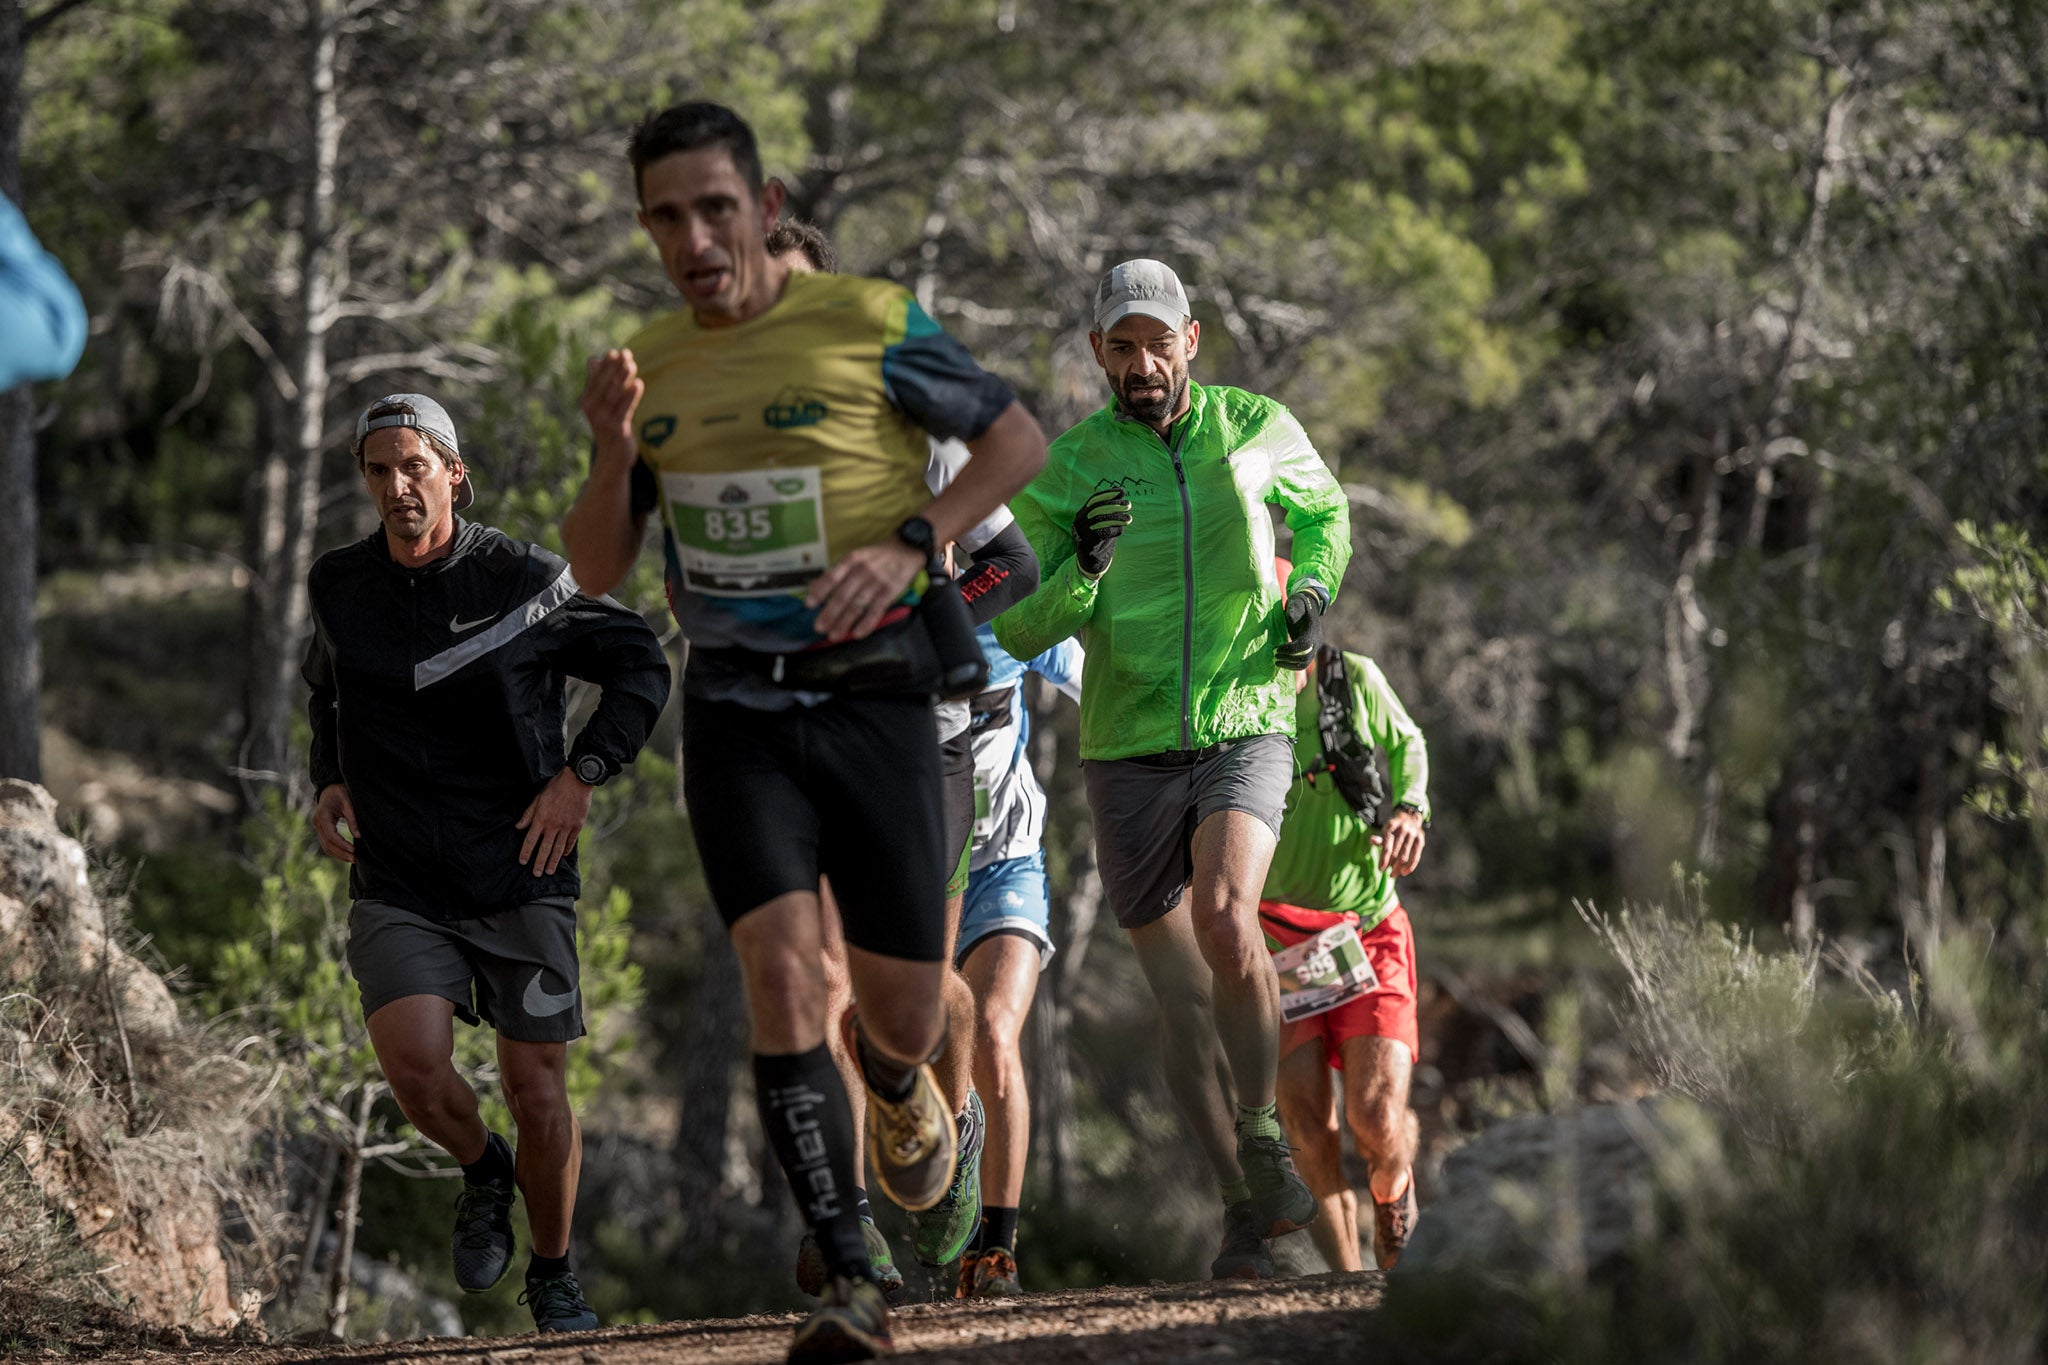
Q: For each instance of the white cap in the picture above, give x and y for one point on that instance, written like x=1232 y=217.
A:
x=423 y=414
x=1140 y=286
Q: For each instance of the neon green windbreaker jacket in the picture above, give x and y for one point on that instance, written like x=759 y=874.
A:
x=1180 y=631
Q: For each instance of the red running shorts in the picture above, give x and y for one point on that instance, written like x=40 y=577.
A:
x=1388 y=1012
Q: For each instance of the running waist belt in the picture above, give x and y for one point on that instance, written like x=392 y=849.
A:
x=916 y=651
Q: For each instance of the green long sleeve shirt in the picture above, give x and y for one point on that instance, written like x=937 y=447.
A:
x=1326 y=859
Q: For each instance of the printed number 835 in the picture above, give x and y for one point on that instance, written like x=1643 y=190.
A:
x=738 y=524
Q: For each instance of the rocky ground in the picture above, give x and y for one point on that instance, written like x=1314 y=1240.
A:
x=1319 y=1317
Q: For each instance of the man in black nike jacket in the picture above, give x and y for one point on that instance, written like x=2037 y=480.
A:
x=439 y=653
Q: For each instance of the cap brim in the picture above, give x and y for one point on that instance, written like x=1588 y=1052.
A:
x=465 y=492
x=1151 y=308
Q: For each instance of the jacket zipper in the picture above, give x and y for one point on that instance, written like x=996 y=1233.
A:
x=1187 y=588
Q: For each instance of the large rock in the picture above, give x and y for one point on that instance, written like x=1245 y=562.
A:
x=1567 y=1192
x=90 y=1030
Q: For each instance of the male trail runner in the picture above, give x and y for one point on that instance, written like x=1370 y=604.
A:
x=1002 y=572
x=1005 y=941
x=1335 y=870
x=437 y=663
x=1152 y=529
x=780 y=423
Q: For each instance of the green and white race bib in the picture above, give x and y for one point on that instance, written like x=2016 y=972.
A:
x=984 y=812
x=1318 y=974
x=749 y=533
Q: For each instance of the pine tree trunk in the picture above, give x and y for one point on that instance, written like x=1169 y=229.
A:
x=274 y=677
x=21 y=666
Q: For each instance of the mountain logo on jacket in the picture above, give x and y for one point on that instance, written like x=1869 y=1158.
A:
x=795 y=407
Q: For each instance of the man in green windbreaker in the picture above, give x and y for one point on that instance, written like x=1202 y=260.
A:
x=1345 y=950
x=1155 y=546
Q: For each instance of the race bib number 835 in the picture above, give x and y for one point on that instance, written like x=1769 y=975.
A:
x=749 y=533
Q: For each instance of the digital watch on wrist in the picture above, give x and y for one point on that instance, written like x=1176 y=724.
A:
x=916 y=532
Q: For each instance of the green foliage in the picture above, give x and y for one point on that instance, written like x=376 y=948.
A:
x=1859 y=1185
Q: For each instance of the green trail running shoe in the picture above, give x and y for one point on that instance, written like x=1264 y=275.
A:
x=1245 y=1255
x=810 y=1264
x=1281 y=1201
x=851 y=1324
x=939 y=1234
x=558 y=1305
x=482 y=1242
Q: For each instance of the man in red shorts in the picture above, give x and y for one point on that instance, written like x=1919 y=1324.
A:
x=1344 y=950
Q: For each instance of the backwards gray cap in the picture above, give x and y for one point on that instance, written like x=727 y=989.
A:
x=422 y=414
x=1140 y=286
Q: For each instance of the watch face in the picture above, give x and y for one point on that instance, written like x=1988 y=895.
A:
x=916 y=532
x=590 y=768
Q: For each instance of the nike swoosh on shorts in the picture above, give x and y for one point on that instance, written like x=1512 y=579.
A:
x=539 y=1004
x=458 y=626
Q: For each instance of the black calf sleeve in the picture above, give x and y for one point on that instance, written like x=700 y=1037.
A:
x=810 y=1125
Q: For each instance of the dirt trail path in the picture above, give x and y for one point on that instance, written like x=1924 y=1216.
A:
x=1314 y=1318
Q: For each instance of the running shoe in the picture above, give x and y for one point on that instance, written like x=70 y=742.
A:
x=939 y=1234
x=810 y=1264
x=482 y=1242
x=558 y=1305
x=1281 y=1201
x=990 y=1274
x=1392 y=1225
x=912 y=1144
x=1245 y=1255
x=851 y=1324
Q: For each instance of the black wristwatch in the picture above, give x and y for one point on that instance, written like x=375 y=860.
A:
x=916 y=532
x=1413 y=809
x=592 y=771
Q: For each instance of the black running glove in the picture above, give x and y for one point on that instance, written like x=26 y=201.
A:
x=1097 y=525
x=1304 y=630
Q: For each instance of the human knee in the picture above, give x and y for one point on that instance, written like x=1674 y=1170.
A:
x=419 y=1079
x=1230 y=940
x=996 y=1054
x=783 y=982
x=537 y=1096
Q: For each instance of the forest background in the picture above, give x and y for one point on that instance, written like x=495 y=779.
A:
x=1683 y=365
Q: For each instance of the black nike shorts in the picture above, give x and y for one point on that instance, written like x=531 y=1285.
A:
x=515 y=970
x=849 y=789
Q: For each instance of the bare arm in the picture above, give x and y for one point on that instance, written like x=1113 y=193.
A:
x=601 y=534
x=852 y=595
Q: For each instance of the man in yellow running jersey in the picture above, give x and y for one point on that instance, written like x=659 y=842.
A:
x=779 y=425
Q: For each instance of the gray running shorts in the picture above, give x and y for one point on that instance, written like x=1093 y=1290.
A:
x=515 y=970
x=1146 y=809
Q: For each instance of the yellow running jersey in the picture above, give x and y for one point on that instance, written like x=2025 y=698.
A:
x=774 y=446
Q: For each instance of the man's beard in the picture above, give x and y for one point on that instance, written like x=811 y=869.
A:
x=1155 y=407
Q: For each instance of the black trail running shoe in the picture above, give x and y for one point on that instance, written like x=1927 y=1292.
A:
x=558 y=1304
x=482 y=1241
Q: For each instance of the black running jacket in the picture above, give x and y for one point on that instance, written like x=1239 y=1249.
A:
x=438 y=700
